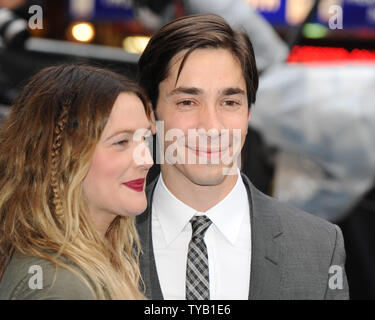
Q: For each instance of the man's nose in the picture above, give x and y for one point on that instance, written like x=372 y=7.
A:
x=209 y=118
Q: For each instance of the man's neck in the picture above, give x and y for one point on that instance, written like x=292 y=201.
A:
x=198 y=197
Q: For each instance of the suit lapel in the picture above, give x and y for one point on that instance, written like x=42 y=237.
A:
x=266 y=257
x=147 y=258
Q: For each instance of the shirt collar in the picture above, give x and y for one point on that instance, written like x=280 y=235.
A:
x=172 y=213
x=227 y=215
x=230 y=212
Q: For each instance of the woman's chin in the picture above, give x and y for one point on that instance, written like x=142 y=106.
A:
x=135 y=208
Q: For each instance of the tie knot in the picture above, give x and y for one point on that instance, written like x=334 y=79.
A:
x=200 y=225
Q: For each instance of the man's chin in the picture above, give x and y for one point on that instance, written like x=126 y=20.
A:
x=204 y=175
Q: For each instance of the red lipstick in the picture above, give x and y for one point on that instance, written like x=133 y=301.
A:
x=136 y=184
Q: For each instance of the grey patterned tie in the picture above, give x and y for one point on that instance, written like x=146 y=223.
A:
x=197 y=281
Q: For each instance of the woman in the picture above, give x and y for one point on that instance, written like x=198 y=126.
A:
x=70 y=186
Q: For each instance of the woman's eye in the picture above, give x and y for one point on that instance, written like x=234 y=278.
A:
x=121 y=142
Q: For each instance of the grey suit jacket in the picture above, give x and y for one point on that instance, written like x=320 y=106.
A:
x=295 y=255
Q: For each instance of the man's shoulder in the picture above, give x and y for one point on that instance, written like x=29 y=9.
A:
x=295 y=223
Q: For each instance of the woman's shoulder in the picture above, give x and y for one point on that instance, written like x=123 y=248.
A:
x=35 y=278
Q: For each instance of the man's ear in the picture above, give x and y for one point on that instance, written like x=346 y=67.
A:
x=249 y=115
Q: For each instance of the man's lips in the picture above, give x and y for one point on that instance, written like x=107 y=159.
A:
x=209 y=151
x=136 y=184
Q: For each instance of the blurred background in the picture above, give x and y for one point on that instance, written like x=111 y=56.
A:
x=311 y=140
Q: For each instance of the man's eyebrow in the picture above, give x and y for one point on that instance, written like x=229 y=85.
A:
x=186 y=90
x=128 y=131
x=232 y=91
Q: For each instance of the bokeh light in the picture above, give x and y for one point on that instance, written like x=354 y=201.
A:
x=83 y=32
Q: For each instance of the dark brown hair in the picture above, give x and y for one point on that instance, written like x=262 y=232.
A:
x=190 y=33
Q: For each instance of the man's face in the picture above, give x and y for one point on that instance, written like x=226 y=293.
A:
x=208 y=102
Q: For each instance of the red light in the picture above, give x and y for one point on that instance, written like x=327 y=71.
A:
x=324 y=55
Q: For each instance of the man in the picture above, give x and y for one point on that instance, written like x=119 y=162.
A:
x=208 y=232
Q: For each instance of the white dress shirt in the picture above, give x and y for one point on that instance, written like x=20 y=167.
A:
x=228 y=242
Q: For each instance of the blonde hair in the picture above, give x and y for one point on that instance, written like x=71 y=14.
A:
x=46 y=145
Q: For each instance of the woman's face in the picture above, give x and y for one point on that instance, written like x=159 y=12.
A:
x=115 y=182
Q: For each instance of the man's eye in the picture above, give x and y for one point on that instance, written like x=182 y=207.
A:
x=185 y=103
x=230 y=103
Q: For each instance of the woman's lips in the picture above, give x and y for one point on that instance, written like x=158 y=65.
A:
x=136 y=184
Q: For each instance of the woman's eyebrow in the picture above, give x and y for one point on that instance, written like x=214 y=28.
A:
x=128 y=131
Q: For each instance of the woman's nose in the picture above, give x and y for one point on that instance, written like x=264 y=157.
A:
x=142 y=156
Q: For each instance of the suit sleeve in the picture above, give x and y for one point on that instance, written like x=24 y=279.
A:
x=337 y=283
